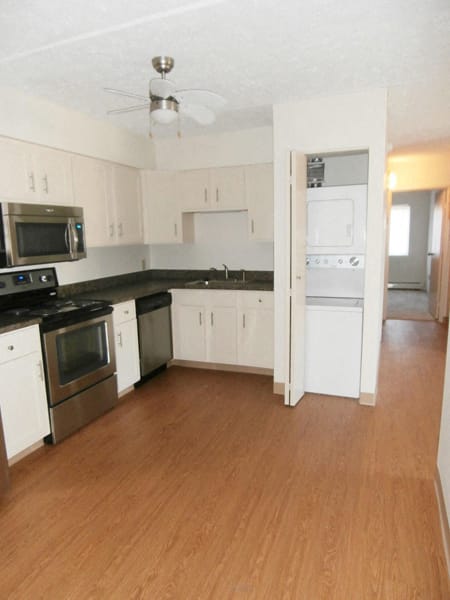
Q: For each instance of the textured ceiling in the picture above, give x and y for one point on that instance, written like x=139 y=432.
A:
x=255 y=53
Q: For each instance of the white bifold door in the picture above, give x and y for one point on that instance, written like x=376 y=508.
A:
x=296 y=271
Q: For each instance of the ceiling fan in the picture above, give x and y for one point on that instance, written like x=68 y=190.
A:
x=165 y=102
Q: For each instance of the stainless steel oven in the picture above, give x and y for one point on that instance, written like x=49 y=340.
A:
x=77 y=344
x=80 y=366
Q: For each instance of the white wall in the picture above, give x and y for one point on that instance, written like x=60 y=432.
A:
x=335 y=124
x=103 y=262
x=219 y=238
x=250 y=146
x=413 y=268
x=36 y=120
x=100 y=262
x=420 y=169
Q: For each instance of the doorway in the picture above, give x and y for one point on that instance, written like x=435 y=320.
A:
x=417 y=256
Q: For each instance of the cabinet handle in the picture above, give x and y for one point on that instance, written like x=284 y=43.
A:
x=126 y=312
x=175 y=229
x=41 y=370
x=253 y=226
x=111 y=230
x=243 y=321
x=45 y=181
x=217 y=194
x=206 y=196
x=212 y=319
x=119 y=337
x=120 y=228
x=11 y=347
x=200 y=318
x=31 y=183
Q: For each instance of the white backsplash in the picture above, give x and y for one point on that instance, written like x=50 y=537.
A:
x=103 y=262
x=219 y=238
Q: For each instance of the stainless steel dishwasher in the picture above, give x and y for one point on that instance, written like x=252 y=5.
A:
x=155 y=332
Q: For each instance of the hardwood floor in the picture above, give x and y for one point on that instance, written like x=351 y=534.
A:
x=201 y=485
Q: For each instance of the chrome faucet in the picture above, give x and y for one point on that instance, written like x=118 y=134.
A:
x=226 y=270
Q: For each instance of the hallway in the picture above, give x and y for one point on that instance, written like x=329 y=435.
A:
x=201 y=485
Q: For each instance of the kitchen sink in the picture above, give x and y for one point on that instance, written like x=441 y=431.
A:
x=217 y=284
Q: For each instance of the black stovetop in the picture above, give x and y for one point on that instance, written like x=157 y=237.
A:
x=33 y=293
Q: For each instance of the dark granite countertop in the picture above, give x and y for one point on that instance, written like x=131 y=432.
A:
x=11 y=323
x=138 y=285
x=130 y=286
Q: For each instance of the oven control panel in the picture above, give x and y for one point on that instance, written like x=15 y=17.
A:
x=27 y=281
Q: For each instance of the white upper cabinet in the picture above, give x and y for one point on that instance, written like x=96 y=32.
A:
x=259 y=200
x=227 y=187
x=17 y=181
x=192 y=188
x=211 y=189
x=91 y=192
x=31 y=173
x=52 y=176
x=127 y=205
x=163 y=220
x=111 y=199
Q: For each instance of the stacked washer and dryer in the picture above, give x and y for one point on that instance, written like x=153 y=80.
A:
x=336 y=238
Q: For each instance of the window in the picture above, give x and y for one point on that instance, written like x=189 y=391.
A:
x=399 y=231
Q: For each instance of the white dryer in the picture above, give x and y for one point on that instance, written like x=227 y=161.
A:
x=336 y=220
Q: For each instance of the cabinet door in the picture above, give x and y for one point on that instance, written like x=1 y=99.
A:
x=17 y=181
x=23 y=403
x=127 y=205
x=255 y=338
x=53 y=176
x=227 y=186
x=127 y=354
x=162 y=221
x=90 y=185
x=259 y=199
x=188 y=330
x=193 y=191
x=221 y=336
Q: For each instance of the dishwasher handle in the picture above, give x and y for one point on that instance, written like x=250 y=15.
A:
x=153 y=302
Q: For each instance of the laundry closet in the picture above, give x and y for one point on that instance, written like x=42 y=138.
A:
x=327 y=300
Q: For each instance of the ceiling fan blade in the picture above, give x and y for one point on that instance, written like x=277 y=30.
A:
x=123 y=93
x=163 y=88
x=201 y=114
x=203 y=97
x=117 y=111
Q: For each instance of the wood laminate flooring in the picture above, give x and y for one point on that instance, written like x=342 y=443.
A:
x=201 y=485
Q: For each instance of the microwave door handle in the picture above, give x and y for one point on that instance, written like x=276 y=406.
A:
x=73 y=240
x=68 y=238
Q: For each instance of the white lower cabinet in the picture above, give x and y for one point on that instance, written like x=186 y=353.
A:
x=224 y=327
x=23 y=402
x=126 y=344
x=255 y=329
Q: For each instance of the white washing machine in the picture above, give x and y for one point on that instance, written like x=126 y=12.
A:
x=333 y=339
x=334 y=324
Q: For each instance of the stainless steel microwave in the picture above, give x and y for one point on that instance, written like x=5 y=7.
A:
x=32 y=234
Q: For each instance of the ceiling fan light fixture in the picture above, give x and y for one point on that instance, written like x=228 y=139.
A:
x=164 y=112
